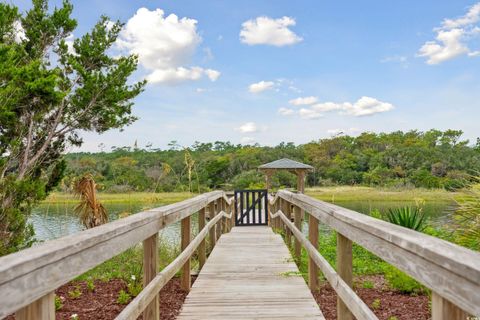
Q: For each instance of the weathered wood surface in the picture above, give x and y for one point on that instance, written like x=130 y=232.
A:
x=250 y=275
x=150 y=268
x=451 y=271
x=343 y=290
x=32 y=273
x=150 y=292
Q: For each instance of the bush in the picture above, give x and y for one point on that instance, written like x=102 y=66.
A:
x=123 y=297
x=400 y=281
x=408 y=217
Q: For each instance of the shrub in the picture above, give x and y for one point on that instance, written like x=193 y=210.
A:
x=58 y=303
x=123 y=297
x=408 y=217
x=75 y=294
x=400 y=281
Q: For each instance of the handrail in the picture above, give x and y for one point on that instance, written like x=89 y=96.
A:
x=36 y=272
x=137 y=305
x=359 y=309
x=451 y=271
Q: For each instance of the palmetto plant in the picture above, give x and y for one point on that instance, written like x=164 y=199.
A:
x=90 y=211
x=409 y=217
x=467 y=217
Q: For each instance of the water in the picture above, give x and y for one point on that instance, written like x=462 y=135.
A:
x=52 y=221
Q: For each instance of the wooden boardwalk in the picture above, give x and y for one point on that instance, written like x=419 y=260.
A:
x=250 y=275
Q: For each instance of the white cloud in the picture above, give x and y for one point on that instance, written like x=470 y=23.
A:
x=336 y=132
x=402 y=60
x=19 y=31
x=452 y=38
x=200 y=90
x=265 y=30
x=286 y=111
x=212 y=74
x=164 y=45
x=249 y=127
x=364 y=106
x=247 y=141
x=309 y=114
x=260 y=86
x=302 y=101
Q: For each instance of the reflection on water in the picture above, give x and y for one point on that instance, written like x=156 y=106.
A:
x=52 y=221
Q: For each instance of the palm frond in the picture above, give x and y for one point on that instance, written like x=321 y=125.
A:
x=90 y=211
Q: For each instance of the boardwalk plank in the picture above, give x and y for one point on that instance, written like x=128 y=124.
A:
x=250 y=274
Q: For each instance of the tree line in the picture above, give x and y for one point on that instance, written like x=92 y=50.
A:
x=431 y=159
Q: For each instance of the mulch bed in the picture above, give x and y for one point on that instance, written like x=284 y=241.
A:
x=102 y=302
x=392 y=303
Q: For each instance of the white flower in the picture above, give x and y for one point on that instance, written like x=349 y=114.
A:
x=133 y=277
x=74 y=316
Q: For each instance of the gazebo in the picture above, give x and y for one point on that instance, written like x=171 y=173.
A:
x=298 y=168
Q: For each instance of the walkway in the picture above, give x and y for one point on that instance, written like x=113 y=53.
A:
x=250 y=275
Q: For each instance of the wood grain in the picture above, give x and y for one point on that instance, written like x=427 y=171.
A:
x=28 y=275
x=150 y=268
x=250 y=275
x=448 y=269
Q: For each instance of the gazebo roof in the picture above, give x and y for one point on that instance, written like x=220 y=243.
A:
x=285 y=164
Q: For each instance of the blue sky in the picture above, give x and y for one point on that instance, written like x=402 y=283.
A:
x=358 y=65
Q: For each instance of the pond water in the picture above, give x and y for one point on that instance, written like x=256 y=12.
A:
x=52 y=221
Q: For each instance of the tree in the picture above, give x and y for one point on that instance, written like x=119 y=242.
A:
x=49 y=91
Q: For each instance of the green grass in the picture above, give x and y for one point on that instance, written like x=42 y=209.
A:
x=358 y=193
x=144 y=197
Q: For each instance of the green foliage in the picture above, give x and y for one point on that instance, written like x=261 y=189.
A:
x=90 y=285
x=367 y=284
x=75 y=293
x=467 y=218
x=58 y=303
x=49 y=93
x=123 y=297
x=408 y=217
x=402 y=282
x=376 y=304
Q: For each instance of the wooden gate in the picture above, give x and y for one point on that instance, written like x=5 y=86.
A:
x=251 y=207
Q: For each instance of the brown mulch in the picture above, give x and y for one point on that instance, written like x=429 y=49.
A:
x=102 y=302
x=392 y=303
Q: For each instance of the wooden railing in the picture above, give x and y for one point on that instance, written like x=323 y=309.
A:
x=29 y=278
x=450 y=271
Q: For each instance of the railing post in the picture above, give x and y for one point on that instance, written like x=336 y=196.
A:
x=288 y=234
x=41 y=309
x=312 y=267
x=202 y=248
x=218 y=208
x=186 y=237
x=211 y=233
x=344 y=268
x=298 y=225
x=233 y=209
x=150 y=267
x=442 y=309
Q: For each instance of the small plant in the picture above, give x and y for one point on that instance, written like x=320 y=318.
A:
x=58 y=303
x=90 y=285
x=392 y=318
x=75 y=294
x=74 y=316
x=367 y=284
x=123 y=297
x=402 y=282
x=376 y=304
x=409 y=217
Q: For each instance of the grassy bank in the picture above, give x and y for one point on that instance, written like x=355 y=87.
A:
x=144 y=197
x=340 y=193
x=359 y=193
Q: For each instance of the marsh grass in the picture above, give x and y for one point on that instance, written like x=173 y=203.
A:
x=359 y=193
x=144 y=197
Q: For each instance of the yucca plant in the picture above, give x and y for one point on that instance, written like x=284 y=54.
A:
x=409 y=217
x=90 y=211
